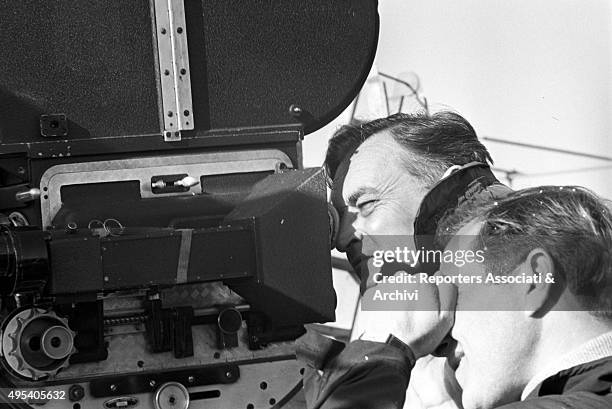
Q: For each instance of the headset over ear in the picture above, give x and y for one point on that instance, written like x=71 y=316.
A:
x=472 y=184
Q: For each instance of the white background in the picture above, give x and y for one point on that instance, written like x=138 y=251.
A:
x=532 y=71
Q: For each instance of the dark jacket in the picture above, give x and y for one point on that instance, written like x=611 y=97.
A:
x=366 y=375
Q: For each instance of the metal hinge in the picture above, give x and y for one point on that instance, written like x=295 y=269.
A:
x=173 y=68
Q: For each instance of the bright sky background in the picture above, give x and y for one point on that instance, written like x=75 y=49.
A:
x=537 y=72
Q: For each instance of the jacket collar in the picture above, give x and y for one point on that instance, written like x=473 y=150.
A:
x=471 y=184
x=578 y=369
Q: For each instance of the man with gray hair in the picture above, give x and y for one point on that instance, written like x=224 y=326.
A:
x=532 y=328
x=379 y=173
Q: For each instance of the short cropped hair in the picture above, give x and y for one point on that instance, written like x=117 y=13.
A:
x=572 y=224
x=434 y=143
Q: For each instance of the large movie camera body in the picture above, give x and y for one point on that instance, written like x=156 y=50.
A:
x=160 y=241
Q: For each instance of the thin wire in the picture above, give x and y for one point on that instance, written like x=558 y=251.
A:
x=384 y=84
x=562 y=172
x=422 y=102
x=507 y=171
x=547 y=148
x=354 y=111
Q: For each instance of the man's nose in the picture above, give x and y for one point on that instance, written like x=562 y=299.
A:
x=347 y=232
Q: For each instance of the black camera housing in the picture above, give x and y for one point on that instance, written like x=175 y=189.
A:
x=133 y=208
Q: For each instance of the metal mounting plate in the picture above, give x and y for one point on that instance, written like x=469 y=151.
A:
x=143 y=169
x=174 y=73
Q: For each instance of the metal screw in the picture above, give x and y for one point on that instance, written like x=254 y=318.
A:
x=163 y=31
x=183 y=71
x=76 y=393
x=191 y=379
x=179 y=30
x=113 y=387
x=166 y=72
x=170 y=113
x=152 y=383
x=228 y=374
x=295 y=110
x=186 y=112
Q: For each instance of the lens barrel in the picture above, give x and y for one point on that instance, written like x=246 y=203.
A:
x=24 y=260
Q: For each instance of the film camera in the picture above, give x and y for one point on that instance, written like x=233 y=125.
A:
x=161 y=244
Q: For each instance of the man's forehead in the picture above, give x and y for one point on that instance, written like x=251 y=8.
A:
x=379 y=146
x=378 y=153
x=464 y=239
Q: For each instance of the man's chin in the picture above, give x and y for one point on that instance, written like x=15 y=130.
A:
x=471 y=398
x=477 y=398
x=468 y=401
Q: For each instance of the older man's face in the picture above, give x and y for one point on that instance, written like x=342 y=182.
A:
x=492 y=358
x=375 y=195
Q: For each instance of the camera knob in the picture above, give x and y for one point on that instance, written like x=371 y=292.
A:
x=171 y=395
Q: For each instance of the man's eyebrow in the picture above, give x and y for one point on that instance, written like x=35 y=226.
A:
x=354 y=197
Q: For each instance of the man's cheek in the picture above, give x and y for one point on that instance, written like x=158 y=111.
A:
x=379 y=222
x=469 y=299
x=463 y=327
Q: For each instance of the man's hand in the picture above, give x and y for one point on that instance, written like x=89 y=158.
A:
x=422 y=324
x=432 y=386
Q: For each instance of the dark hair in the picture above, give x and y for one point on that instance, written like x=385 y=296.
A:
x=572 y=224
x=434 y=142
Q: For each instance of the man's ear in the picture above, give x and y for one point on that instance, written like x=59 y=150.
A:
x=542 y=295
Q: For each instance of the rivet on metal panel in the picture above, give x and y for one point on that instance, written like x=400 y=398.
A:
x=295 y=110
x=71 y=228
